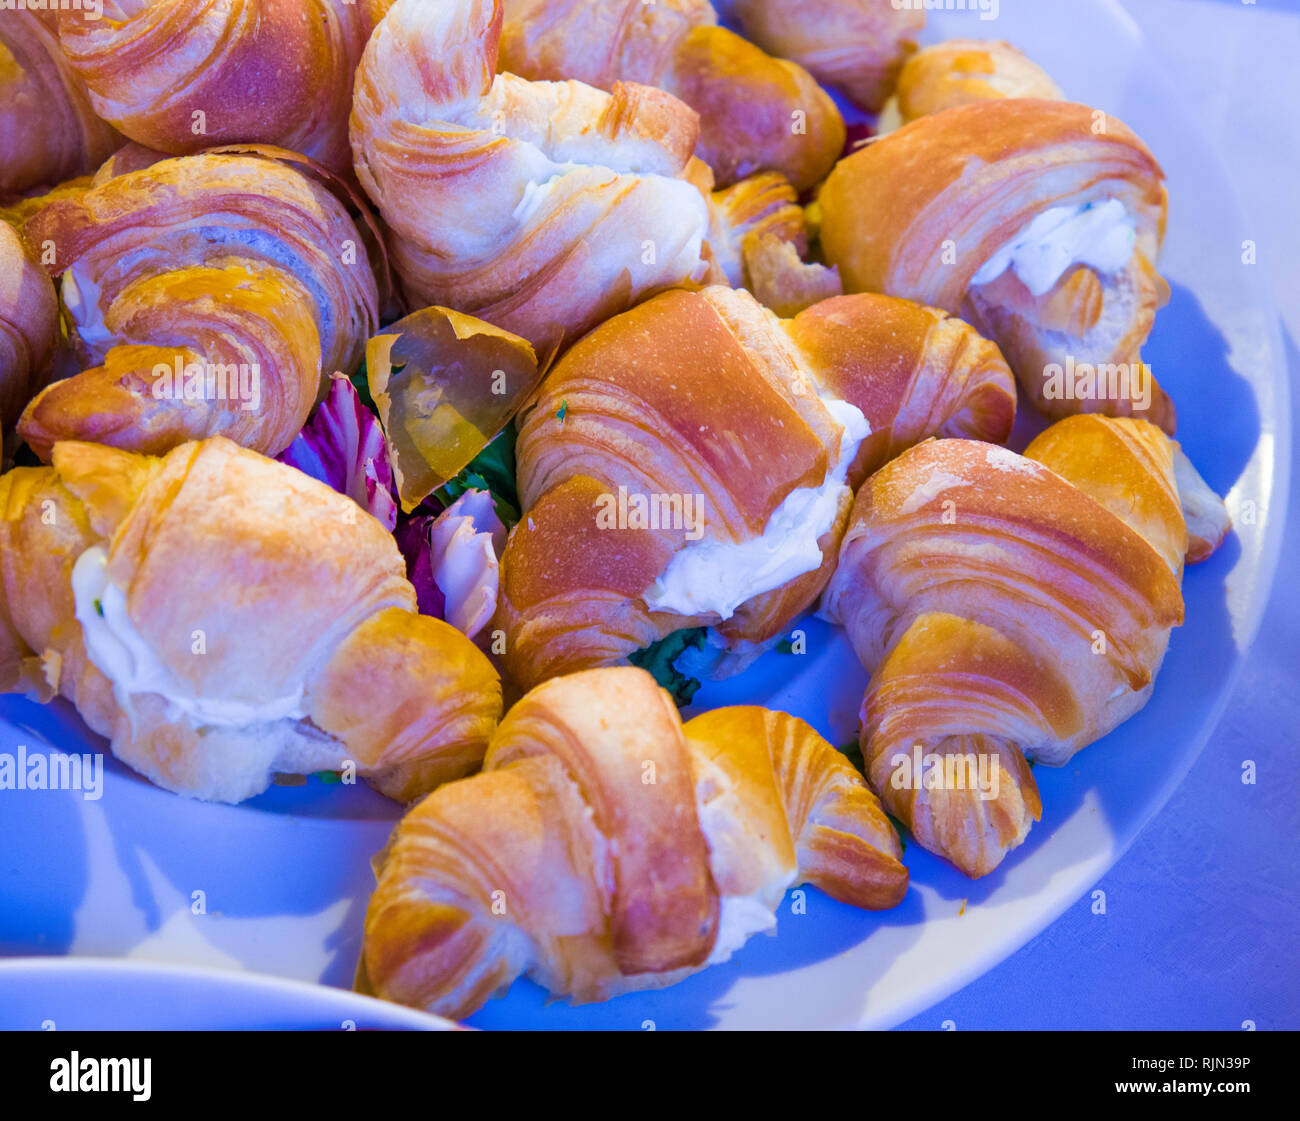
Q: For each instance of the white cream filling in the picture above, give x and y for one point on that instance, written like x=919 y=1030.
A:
x=739 y=917
x=122 y=655
x=1099 y=235
x=716 y=577
x=723 y=825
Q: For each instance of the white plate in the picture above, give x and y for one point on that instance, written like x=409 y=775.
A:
x=284 y=878
x=81 y=994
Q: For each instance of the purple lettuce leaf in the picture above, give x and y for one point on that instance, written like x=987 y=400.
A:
x=343 y=446
x=412 y=534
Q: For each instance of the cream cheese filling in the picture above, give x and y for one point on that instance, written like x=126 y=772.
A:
x=716 y=577
x=1099 y=235
x=121 y=653
x=739 y=917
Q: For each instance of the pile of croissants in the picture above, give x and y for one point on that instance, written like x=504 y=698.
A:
x=653 y=232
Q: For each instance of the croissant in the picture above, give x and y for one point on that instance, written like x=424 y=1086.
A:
x=209 y=293
x=757 y=113
x=606 y=848
x=181 y=77
x=690 y=462
x=961 y=71
x=1008 y=607
x=29 y=325
x=854 y=45
x=540 y=207
x=757 y=240
x=1038 y=222
x=129 y=157
x=221 y=617
x=48 y=130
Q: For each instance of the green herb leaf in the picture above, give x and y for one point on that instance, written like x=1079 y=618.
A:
x=361 y=383
x=853 y=751
x=563 y=411
x=900 y=829
x=657 y=659
x=492 y=470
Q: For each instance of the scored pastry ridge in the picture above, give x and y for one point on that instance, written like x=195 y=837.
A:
x=49 y=131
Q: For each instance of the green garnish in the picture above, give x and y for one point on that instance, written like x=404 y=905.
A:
x=657 y=659
x=853 y=752
x=492 y=470
x=361 y=383
x=900 y=829
x=563 y=411
x=99 y=607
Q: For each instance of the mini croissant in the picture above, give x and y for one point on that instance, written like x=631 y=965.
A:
x=180 y=77
x=48 y=130
x=757 y=113
x=738 y=437
x=222 y=617
x=1038 y=222
x=855 y=45
x=606 y=848
x=541 y=207
x=29 y=325
x=757 y=240
x=1011 y=606
x=961 y=71
x=209 y=295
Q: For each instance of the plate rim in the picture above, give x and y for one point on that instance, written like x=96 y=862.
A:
x=100 y=968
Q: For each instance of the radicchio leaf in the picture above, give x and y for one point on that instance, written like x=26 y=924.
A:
x=343 y=446
x=412 y=536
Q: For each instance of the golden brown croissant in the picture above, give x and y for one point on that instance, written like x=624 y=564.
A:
x=1038 y=222
x=855 y=45
x=757 y=113
x=222 y=617
x=48 y=130
x=757 y=240
x=29 y=325
x=961 y=71
x=541 y=207
x=605 y=848
x=690 y=462
x=209 y=294
x=180 y=77
x=1009 y=606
